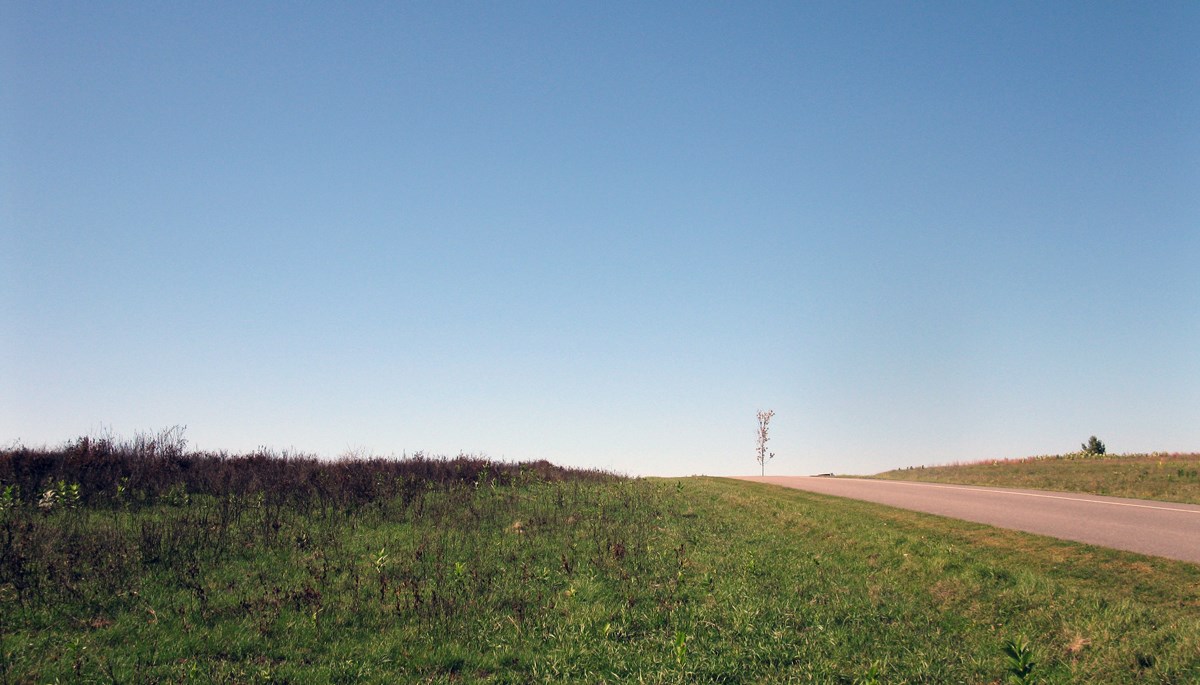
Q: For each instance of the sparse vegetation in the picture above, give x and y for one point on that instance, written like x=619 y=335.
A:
x=764 y=427
x=1160 y=476
x=269 y=569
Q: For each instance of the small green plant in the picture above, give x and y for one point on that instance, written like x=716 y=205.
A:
x=872 y=676
x=68 y=494
x=380 y=563
x=681 y=639
x=1020 y=661
x=177 y=496
x=10 y=497
x=123 y=491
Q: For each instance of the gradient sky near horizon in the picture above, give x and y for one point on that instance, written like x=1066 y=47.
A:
x=604 y=233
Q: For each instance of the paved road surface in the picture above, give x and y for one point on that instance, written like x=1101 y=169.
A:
x=1162 y=529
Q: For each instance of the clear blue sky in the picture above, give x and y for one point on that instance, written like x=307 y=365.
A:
x=604 y=233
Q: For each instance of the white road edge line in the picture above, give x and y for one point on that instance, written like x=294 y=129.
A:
x=1000 y=491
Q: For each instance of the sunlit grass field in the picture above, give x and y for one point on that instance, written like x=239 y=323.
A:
x=511 y=575
x=1167 y=477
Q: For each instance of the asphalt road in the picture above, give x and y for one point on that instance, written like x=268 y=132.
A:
x=1162 y=529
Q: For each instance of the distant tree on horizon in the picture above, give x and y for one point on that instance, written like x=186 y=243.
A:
x=763 y=456
x=1093 y=446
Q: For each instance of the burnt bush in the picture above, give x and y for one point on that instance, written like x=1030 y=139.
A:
x=157 y=469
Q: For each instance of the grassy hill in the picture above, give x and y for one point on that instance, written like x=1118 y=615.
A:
x=1167 y=477
x=120 y=565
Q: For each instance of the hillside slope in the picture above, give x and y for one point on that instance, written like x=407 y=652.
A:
x=178 y=569
x=1166 y=477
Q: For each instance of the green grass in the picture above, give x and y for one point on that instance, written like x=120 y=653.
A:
x=1166 y=477
x=691 y=580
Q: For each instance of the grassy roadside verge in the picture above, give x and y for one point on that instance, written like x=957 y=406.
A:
x=531 y=580
x=1166 y=477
